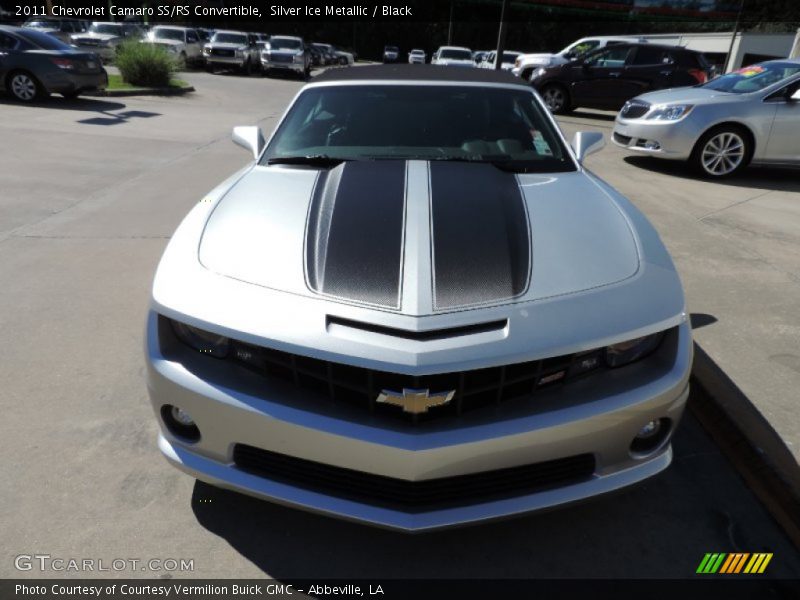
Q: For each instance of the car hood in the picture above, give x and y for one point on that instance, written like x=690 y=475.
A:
x=419 y=238
x=689 y=95
x=543 y=59
x=226 y=45
x=164 y=41
x=103 y=37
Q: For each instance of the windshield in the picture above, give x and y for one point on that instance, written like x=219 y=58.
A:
x=425 y=122
x=455 y=54
x=753 y=78
x=43 y=41
x=168 y=34
x=579 y=48
x=42 y=25
x=284 y=44
x=229 y=38
x=106 y=28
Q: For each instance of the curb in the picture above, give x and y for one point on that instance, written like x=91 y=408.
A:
x=167 y=91
x=748 y=440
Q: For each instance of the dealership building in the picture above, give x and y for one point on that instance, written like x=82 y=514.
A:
x=748 y=48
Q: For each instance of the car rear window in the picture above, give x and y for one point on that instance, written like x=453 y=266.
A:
x=424 y=122
x=43 y=41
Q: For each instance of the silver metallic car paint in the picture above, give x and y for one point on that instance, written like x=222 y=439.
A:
x=264 y=215
x=234 y=266
x=775 y=125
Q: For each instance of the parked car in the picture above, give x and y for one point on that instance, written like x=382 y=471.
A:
x=748 y=116
x=478 y=56
x=607 y=78
x=526 y=64
x=327 y=53
x=182 y=42
x=63 y=29
x=415 y=308
x=343 y=57
x=34 y=65
x=235 y=49
x=315 y=55
x=453 y=56
x=286 y=53
x=417 y=57
x=391 y=54
x=509 y=56
x=104 y=38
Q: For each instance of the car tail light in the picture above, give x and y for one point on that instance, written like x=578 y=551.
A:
x=699 y=75
x=63 y=63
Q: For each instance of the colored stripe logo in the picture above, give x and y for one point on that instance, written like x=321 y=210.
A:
x=734 y=563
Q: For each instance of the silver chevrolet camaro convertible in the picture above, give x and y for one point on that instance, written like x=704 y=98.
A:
x=416 y=309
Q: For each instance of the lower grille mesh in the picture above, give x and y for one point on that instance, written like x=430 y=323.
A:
x=413 y=496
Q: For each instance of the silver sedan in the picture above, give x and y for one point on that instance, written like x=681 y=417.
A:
x=748 y=116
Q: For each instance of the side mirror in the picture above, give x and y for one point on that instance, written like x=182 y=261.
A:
x=249 y=138
x=796 y=95
x=587 y=142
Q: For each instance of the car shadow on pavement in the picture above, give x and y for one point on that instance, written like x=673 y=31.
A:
x=756 y=177
x=86 y=104
x=659 y=528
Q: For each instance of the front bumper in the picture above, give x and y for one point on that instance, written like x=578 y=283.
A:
x=283 y=66
x=228 y=61
x=599 y=417
x=58 y=82
x=675 y=139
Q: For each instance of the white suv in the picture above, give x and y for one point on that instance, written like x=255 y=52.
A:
x=453 y=56
x=526 y=64
x=181 y=42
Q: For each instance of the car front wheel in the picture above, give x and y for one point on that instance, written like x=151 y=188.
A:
x=556 y=98
x=24 y=86
x=722 y=152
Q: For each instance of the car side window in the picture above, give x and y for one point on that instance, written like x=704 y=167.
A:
x=611 y=57
x=191 y=37
x=651 y=56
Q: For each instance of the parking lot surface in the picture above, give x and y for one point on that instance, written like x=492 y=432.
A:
x=90 y=191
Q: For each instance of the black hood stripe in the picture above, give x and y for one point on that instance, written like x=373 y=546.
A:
x=481 y=236
x=354 y=245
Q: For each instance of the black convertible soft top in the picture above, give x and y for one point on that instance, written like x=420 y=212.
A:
x=405 y=72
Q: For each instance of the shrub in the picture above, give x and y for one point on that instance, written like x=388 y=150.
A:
x=145 y=65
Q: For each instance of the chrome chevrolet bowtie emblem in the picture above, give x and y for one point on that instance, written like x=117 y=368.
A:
x=415 y=401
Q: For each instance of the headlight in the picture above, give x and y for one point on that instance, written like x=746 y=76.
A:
x=671 y=112
x=204 y=342
x=206 y=50
x=624 y=353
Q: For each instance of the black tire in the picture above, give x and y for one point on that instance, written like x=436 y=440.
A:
x=210 y=69
x=24 y=87
x=70 y=95
x=556 y=97
x=247 y=68
x=722 y=152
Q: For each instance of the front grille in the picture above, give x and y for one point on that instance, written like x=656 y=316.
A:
x=414 y=496
x=634 y=109
x=360 y=386
x=222 y=52
x=281 y=58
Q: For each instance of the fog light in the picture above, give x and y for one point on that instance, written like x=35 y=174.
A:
x=652 y=145
x=181 y=416
x=648 y=431
x=650 y=437
x=180 y=423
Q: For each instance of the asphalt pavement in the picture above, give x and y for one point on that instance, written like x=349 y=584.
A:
x=91 y=190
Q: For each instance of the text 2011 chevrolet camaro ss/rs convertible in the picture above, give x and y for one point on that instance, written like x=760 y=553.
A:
x=416 y=309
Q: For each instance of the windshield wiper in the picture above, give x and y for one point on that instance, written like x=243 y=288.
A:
x=509 y=165
x=313 y=160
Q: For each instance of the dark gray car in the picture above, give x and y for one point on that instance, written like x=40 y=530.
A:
x=34 y=65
